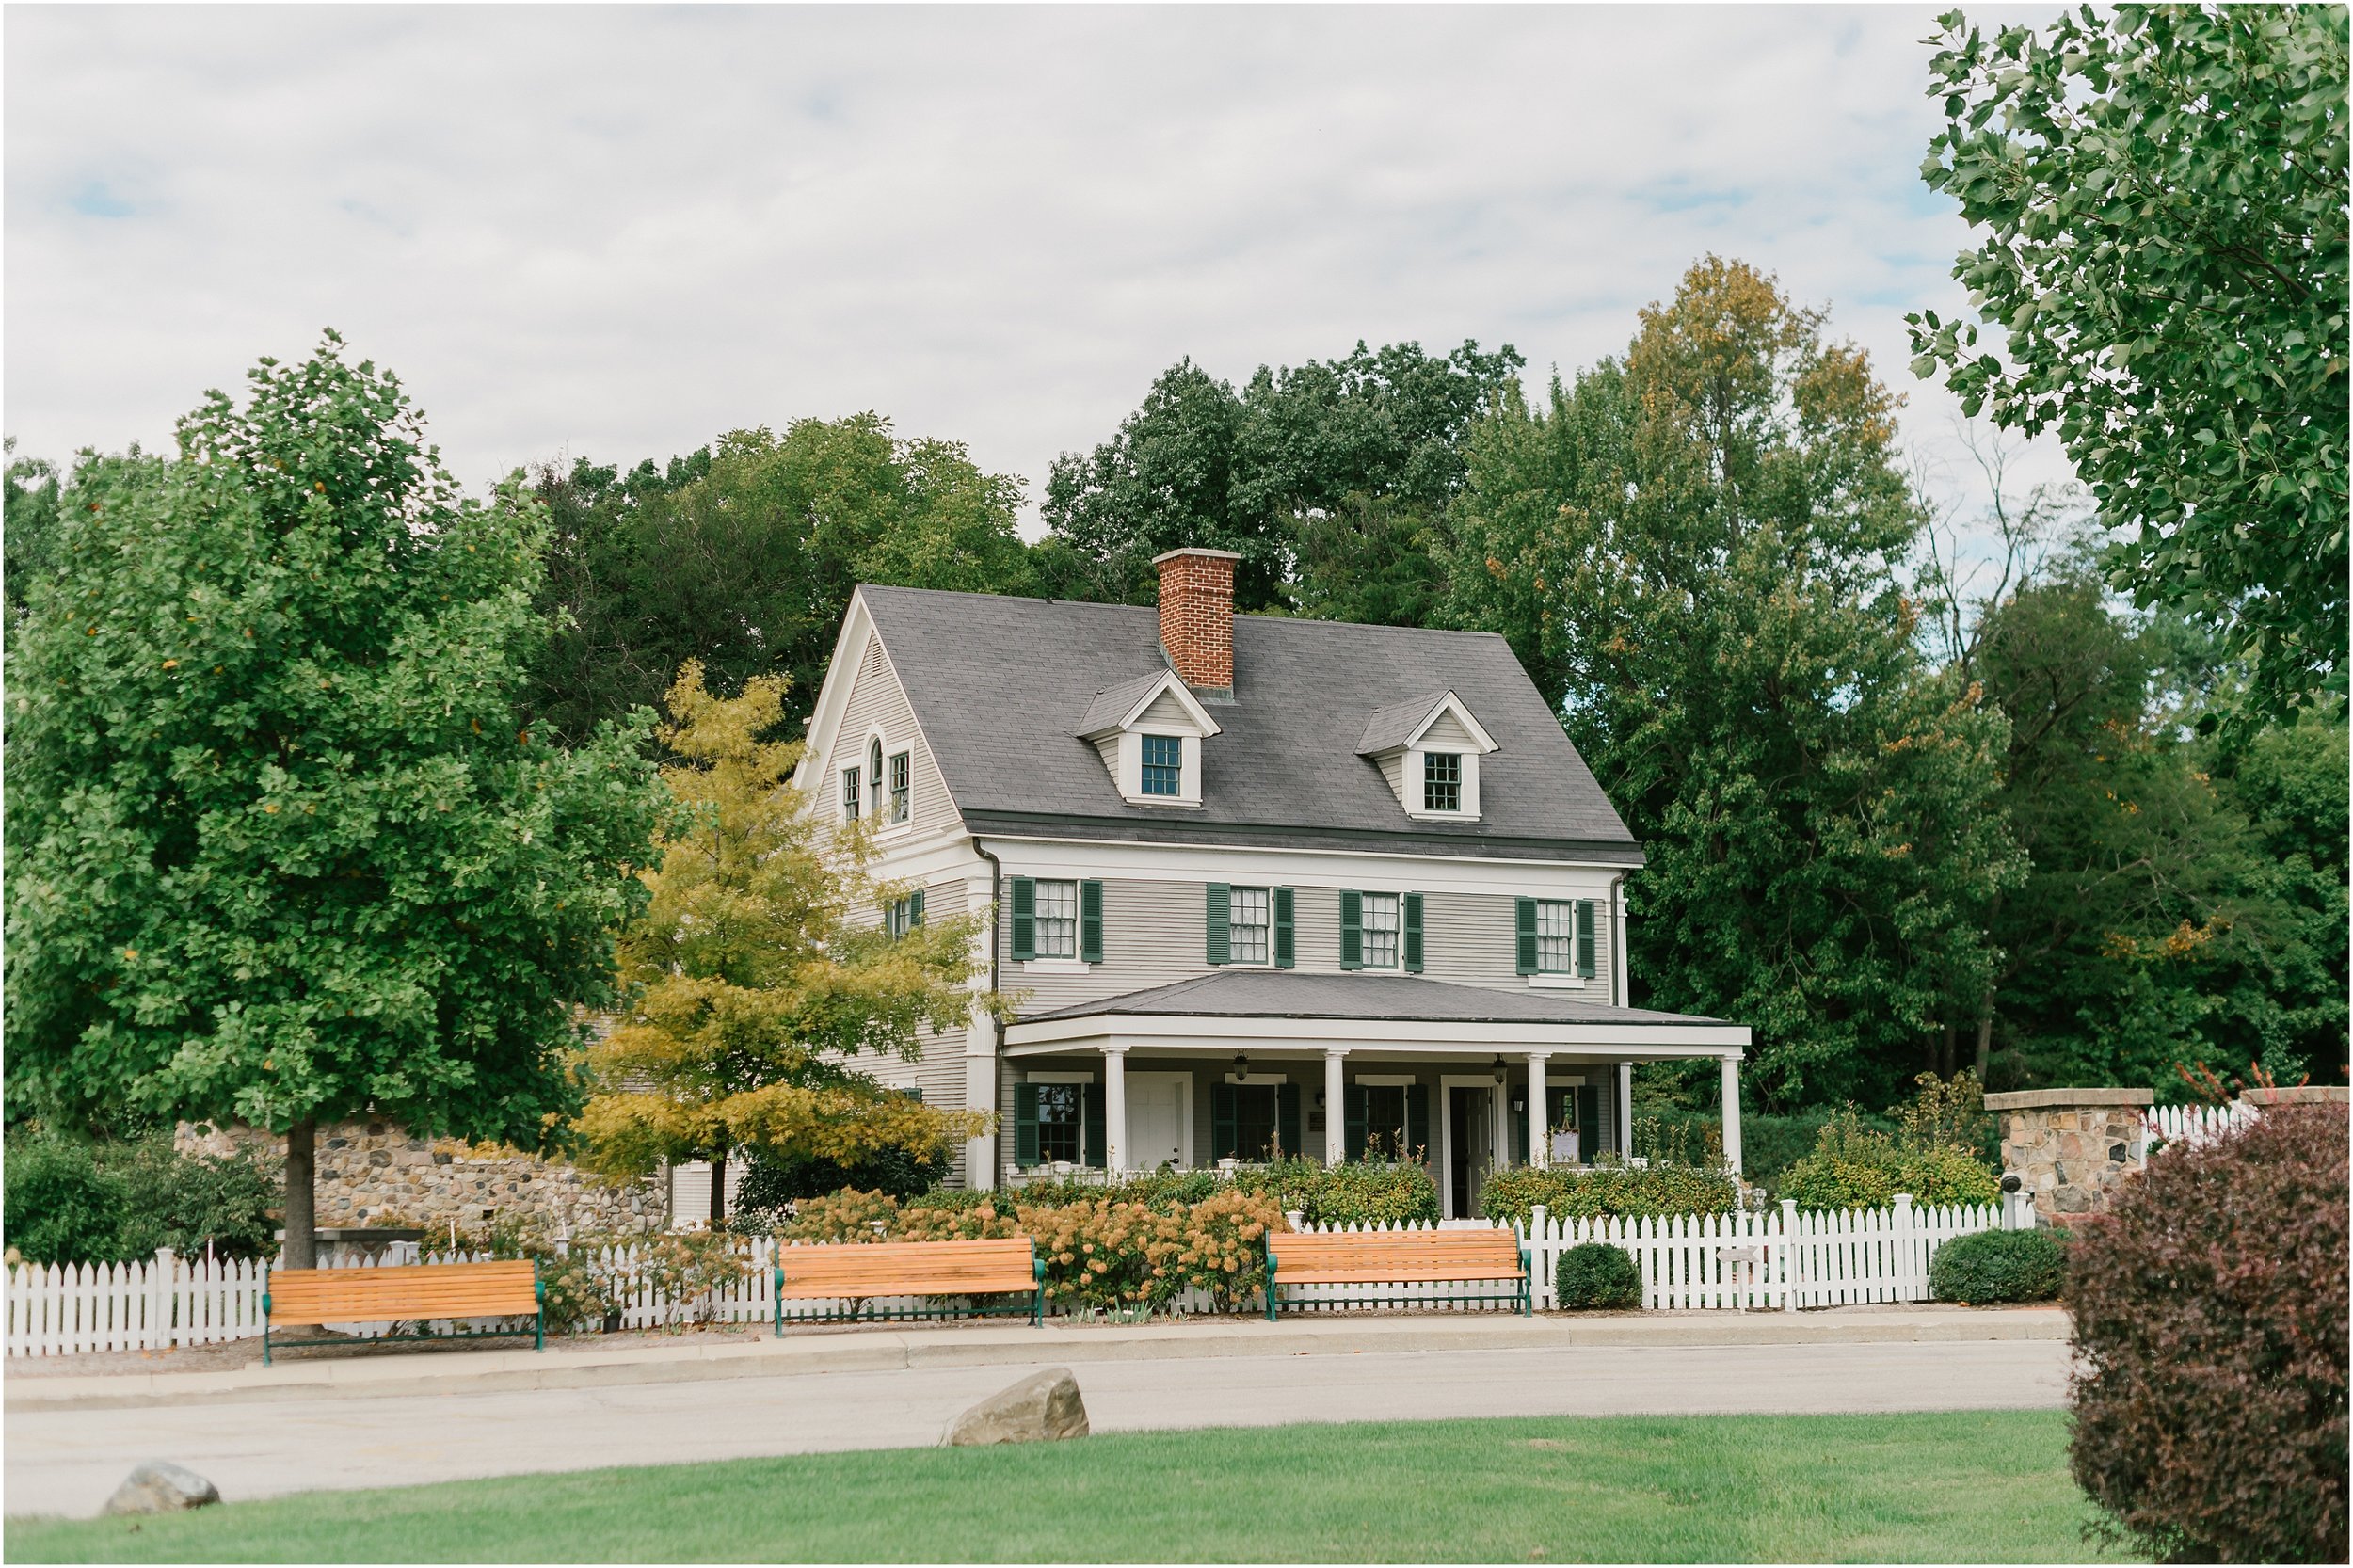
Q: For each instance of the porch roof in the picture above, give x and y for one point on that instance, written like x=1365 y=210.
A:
x=1376 y=1011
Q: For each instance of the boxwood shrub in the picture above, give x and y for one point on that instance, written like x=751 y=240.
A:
x=2209 y=1307
x=1597 y=1276
x=1994 y=1266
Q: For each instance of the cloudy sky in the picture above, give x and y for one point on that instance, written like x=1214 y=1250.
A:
x=615 y=231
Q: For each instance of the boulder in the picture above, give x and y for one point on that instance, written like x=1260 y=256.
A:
x=1041 y=1408
x=157 y=1487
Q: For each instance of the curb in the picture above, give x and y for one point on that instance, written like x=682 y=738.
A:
x=506 y=1371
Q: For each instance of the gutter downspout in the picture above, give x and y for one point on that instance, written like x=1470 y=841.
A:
x=997 y=1037
x=1624 y=1109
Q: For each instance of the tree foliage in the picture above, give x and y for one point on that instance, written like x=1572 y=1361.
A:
x=763 y=971
x=279 y=848
x=2164 y=194
x=1692 y=551
x=743 y=556
x=1329 y=479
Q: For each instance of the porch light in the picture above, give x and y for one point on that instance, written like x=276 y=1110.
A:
x=1242 y=1064
x=1499 y=1069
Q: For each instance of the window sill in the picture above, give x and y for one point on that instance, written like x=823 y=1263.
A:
x=1055 y=965
x=1442 y=816
x=1175 y=802
x=1559 y=982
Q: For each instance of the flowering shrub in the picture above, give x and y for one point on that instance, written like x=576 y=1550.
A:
x=1625 y=1191
x=1102 y=1252
x=2209 y=1330
x=1358 y=1192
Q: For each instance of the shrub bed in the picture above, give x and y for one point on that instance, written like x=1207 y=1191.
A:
x=1994 y=1266
x=70 y=1201
x=1597 y=1276
x=1356 y=1194
x=1103 y=1251
x=1854 y=1166
x=1625 y=1191
x=2210 y=1308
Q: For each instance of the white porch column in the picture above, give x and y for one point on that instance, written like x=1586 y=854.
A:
x=1626 y=1109
x=1732 y=1114
x=979 y=1094
x=1114 y=1111
x=1539 y=1145
x=1334 y=1109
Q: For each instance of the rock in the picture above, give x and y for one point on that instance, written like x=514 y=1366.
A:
x=1041 y=1408
x=157 y=1487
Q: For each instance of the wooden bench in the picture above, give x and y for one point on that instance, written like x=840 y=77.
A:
x=1398 y=1258
x=413 y=1292
x=861 y=1272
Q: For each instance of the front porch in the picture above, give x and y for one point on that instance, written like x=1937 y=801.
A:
x=1242 y=1066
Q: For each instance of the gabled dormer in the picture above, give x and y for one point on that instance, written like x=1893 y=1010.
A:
x=1428 y=748
x=1149 y=732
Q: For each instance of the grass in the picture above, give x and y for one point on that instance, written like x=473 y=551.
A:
x=1980 y=1486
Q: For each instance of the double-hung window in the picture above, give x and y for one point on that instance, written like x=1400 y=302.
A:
x=1060 y=1112
x=1555 y=937
x=1381 y=931
x=1385 y=1122
x=904 y=914
x=1249 y=918
x=1164 y=765
x=899 y=789
x=874 y=777
x=1441 y=781
x=850 y=794
x=1058 y=921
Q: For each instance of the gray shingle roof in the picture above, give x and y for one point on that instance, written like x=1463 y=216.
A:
x=1001 y=687
x=1410 y=999
x=1110 y=704
x=1393 y=726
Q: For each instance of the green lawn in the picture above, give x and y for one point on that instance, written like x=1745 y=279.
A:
x=1983 y=1486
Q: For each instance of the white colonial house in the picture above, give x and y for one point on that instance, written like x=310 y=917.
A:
x=1253 y=884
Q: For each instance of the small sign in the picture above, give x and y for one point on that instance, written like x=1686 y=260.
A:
x=1564 y=1148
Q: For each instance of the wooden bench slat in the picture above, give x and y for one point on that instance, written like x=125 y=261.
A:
x=1395 y=1258
x=864 y=1270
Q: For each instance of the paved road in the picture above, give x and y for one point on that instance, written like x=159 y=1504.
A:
x=69 y=1461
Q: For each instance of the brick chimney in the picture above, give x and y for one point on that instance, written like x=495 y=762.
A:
x=1197 y=615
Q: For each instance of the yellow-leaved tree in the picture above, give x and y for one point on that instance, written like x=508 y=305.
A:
x=765 y=971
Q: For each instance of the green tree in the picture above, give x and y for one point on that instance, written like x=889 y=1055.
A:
x=766 y=964
x=2164 y=191
x=280 y=850
x=34 y=503
x=744 y=556
x=1691 y=551
x=1330 y=480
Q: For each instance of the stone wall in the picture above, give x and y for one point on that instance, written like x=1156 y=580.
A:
x=375 y=1172
x=2071 y=1149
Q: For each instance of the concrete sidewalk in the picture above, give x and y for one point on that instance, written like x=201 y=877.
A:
x=363 y=1373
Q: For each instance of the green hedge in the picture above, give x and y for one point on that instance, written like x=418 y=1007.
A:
x=1626 y=1191
x=1992 y=1266
x=1854 y=1166
x=1597 y=1276
x=70 y=1201
x=1358 y=1192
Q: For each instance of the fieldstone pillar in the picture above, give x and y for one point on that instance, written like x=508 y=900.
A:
x=2071 y=1149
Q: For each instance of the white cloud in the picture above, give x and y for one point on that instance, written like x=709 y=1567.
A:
x=616 y=231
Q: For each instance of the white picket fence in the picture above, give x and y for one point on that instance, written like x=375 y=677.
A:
x=2193 y=1125
x=69 y=1308
x=1779 y=1258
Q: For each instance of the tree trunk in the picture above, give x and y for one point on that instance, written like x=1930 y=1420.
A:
x=1945 y=1053
x=1985 y=1038
x=718 y=1188
x=300 y=1249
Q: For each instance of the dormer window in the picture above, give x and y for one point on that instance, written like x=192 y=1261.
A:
x=1163 y=764
x=1428 y=748
x=901 y=789
x=1149 y=731
x=1442 y=781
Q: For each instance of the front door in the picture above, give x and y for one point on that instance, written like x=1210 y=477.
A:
x=1470 y=1147
x=1158 y=1108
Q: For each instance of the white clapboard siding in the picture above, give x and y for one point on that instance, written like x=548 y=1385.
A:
x=1777 y=1258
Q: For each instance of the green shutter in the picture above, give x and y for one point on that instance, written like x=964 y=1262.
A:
x=1091 y=922
x=1221 y=922
x=1352 y=929
x=1098 y=1144
x=1417 y=1145
x=1413 y=933
x=1286 y=949
x=1584 y=937
x=1024 y=919
x=915 y=908
x=1526 y=945
x=1359 y=1111
x=1025 y=1124
x=1588 y=1123
x=1286 y=1117
x=1224 y=1135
